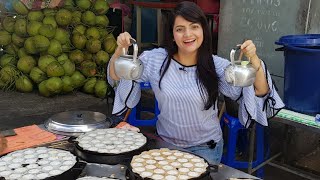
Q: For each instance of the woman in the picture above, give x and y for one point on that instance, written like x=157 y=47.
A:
x=186 y=79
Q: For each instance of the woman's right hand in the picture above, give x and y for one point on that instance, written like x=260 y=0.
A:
x=123 y=41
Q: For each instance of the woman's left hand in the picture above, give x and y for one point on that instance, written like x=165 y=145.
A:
x=249 y=50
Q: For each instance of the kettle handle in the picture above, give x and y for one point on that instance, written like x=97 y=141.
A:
x=135 y=49
x=232 y=53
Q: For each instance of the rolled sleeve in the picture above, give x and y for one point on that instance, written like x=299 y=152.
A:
x=127 y=92
x=251 y=107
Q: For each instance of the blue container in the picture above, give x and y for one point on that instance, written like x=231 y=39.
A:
x=302 y=72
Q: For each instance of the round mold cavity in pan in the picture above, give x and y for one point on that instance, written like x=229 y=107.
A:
x=30 y=156
x=183 y=177
x=173 y=172
x=5 y=173
x=28 y=177
x=15 y=176
x=170 y=177
x=14 y=165
x=43 y=175
x=146 y=174
x=30 y=161
x=47 y=168
x=157 y=177
x=3 y=168
x=159 y=171
x=55 y=172
x=32 y=166
x=21 y=170
x=34 y=171
x=151 y=167
x=136 y=164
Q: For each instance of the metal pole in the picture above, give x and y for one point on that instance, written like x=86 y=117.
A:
x=251 y=147
x=294 y=171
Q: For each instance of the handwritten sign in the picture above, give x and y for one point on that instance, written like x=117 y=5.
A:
x=264 y=22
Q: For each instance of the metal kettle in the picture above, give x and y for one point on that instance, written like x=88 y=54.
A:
x=239 y=73
x=129 y=67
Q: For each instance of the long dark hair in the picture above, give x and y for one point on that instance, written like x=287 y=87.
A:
x=206 y=74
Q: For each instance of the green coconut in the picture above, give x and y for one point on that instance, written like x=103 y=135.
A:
x=26 y=63
x=76 y=17
x=55 y=48
x=22 y=52
x=29 y=46
x=8 y=73
x=8 y=23
x=88 y=18
x=62 y=58
x=54 y=69
x=8 y=59
x=67 y=84
x=79 y=29
x=110 y=36
x=102 y=21
x=47 y=30
x=41 y=42
x=92 y=33
x=101 y=88
x=43 y=90
x=20 y=27
x=83 y=4
x=50 y=20
x=19 y=7
x=88 y=68
x=63 y=17
x=69 y=4
x=17 y=40
x=5 y=38
x=110 y=45
x=49 y=12
x=93 y=45
x=103 y=32
x=78 y=79
x=76 y=56
x=37 y=75
x=67 y=47
x=62 y=35
x=88 y=87
x=79 y=40
x=102 y=58
x=68 y=66
x=44 y=61
x=11 y=49
x=54 y=85
x=101 y=7
x=24 y=84
x=33 y=27
x=88 y=56
x=35 y=16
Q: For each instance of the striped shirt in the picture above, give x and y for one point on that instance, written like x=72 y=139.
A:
x=182 y=120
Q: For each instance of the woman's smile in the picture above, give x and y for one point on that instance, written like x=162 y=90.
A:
x=187 y=35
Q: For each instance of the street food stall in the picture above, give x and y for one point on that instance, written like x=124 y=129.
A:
x=129 y=155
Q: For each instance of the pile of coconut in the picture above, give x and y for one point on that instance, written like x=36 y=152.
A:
x=56 y=51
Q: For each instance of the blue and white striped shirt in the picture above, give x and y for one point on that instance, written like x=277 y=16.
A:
x=182 y=120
